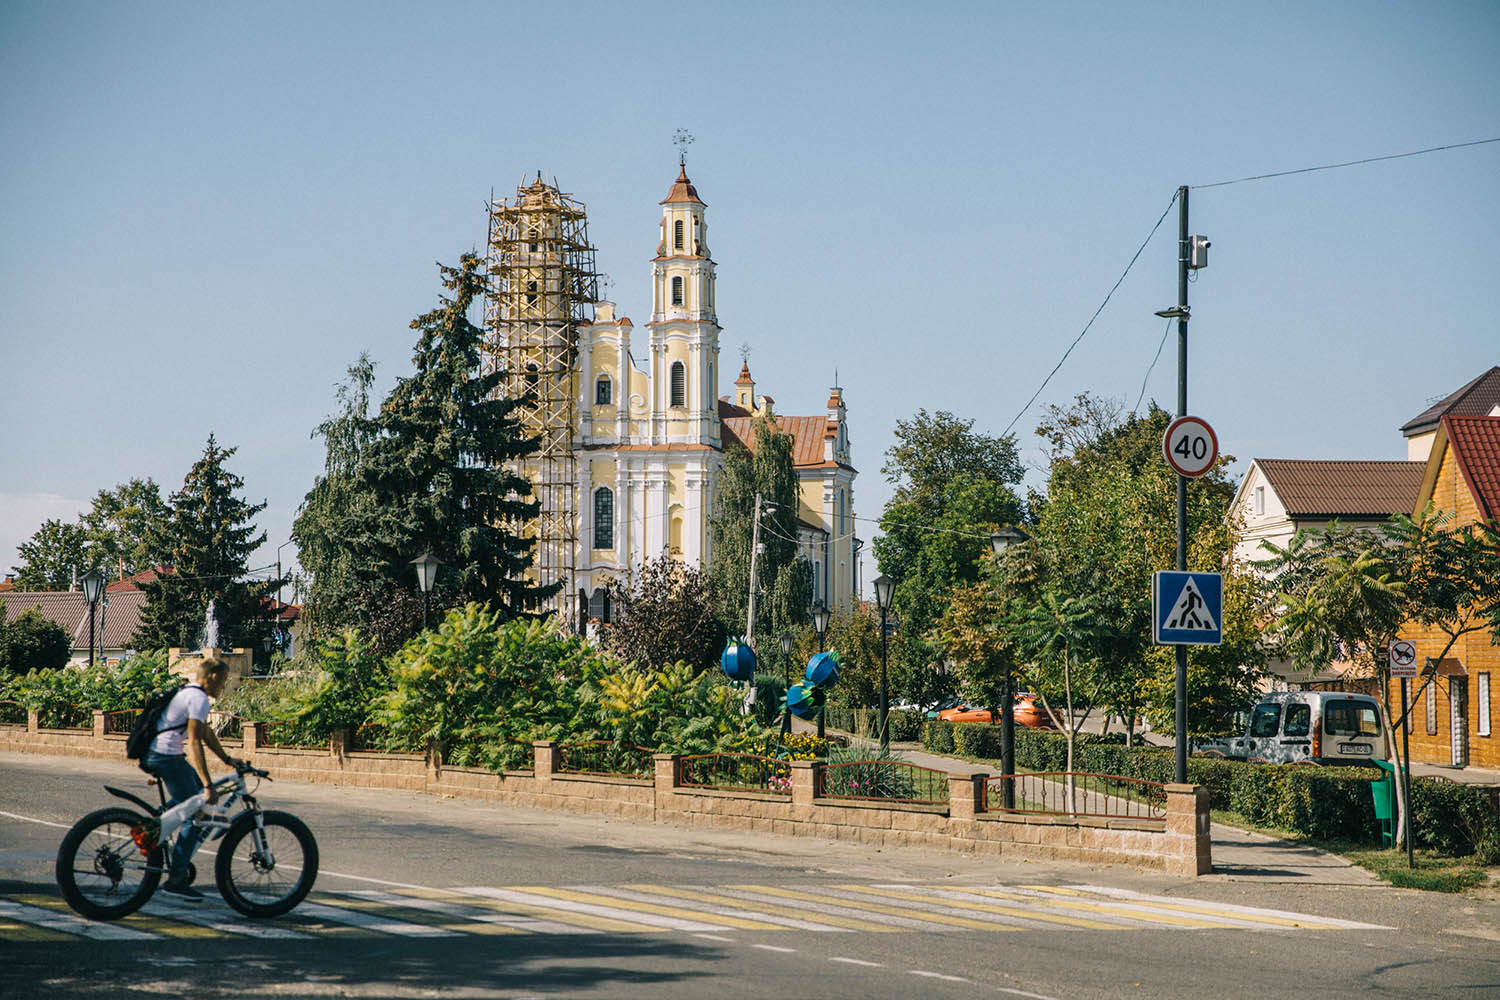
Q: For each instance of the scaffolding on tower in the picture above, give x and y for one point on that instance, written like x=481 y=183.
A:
x=542 y=287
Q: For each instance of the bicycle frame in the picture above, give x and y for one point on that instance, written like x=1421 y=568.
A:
x=233 y=784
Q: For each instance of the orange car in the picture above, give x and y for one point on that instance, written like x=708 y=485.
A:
x=1027 y=713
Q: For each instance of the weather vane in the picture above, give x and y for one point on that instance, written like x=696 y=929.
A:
x=745 y=352
x=682 y=140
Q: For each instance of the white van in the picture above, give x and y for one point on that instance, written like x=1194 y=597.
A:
x=1322 y=727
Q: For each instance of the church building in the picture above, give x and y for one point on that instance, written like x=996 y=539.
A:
x=652 y=430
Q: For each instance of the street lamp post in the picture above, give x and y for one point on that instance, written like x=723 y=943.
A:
x=820 y=622
x=786 y=668
x=1000 y=541
x=427 y=566
x=93 y=586
x=883 y=587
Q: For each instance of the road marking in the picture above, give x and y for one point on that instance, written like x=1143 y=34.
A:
x=714 y=937
x=33 y=819
x=899 y=911
x=371 y=922
x=70 y=924
x=825 y=909
x=14 y=930
x=950 y=898
x=654 y=894
x=763 y=908
x=857 y=961
x=1139 y=914
x=772 y=947
x=494 y=923
x=537 y=919
x=147 y=923
x=215 y=918
x=938 y=975
x=383 y=904
x=1023 y=993
x=560 y=899
x=1252 y=912
x=600 y=895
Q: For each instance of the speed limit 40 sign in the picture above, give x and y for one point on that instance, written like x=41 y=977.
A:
x=1190 y=445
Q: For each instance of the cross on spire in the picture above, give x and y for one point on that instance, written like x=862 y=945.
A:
x=682 y=139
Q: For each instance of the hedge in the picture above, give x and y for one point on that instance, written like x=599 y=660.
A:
x=1332 y=803
x=906 y=724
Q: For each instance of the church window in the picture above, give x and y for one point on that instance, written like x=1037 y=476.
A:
x=603 y=395
x=679 y=384
x=677 y=291
x=599 y=605
x=604 y=518
x=677 y=235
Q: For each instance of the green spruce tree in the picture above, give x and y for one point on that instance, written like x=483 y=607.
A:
x=207 y=541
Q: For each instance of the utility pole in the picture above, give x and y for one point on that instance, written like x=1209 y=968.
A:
x=1184 y=259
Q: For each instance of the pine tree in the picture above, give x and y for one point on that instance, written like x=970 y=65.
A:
x=207 y=538
x=434 y=476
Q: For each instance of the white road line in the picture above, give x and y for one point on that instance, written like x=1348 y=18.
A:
x=938 y=975
x=1251 y=911
x=368 y=921
x=712 y=908
x=715 y=937
x=870 y=916
x=214 y=918
x=594 y=909
x=1023 y=993
x=378 y=881
x=40 y=916
x=772 y=947
x=33 y=819
x=474 y=913
x=858 y=961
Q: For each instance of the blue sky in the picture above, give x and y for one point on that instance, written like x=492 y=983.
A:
x=209 y=212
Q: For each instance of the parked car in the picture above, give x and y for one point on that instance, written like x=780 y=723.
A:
x=1026 y=713
x=936 y=712
x=1317 y=727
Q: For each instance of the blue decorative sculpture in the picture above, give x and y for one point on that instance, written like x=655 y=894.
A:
x=823 y=669
x=804 y=701
x=738 y=661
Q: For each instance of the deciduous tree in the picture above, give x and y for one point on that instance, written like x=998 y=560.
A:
x=664 y=612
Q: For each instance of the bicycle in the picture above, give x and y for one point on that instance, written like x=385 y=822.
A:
x=111 y=861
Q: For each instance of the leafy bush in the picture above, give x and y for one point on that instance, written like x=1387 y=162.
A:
x=69 y=695
x=33 y=642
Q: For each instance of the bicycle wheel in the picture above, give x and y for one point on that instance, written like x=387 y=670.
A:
x=103 y=872
x=265 y=876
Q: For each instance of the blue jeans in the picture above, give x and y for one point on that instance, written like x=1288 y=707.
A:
x=181 y=782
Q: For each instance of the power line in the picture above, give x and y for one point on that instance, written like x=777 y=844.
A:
x=1090 y=323
x=1152 y=367
x=1349 y=163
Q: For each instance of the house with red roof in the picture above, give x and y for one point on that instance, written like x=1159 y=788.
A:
x=1453 y=721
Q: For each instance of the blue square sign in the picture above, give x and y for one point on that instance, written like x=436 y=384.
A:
x=1187 y=609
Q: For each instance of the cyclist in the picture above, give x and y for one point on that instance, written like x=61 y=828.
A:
x=176 y=758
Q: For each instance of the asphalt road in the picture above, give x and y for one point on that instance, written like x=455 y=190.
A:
x=426 y=897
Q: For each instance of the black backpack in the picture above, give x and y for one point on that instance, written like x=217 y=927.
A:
x=143 y=733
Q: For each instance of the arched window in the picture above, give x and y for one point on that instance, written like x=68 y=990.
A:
x=675 y=529
x=677 y=291
x=599 y=605
x=604 y=518
x=679 y=384
x=603 y=394
x=677 y=235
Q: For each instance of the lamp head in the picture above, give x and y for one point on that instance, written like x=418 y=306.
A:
x=427 y=566
x=884 y=585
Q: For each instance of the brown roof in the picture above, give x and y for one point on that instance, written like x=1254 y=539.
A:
x=745 y=377
x=1476 y=399
x=806 y=432
x=120 y=617
x=682 y=190
x=1476 y=446
x=1309 y=488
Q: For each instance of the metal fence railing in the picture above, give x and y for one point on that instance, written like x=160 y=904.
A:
x=605 y=757
x=292 y=735
x=120 y=723
x=12 y=713
x=66 y=717
x=883 y=781
x=1077 y=793
x=739 y=772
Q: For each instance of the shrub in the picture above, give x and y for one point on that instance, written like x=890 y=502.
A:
x=107 y=686
x=33 y=642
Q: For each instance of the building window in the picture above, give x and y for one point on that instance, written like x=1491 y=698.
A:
x=679 y=384
x=603 y=395
x=604 y=518
x=1260 y=499
x=599 y=609
x=1482 y=692
x=531 y=293
x=677 y=291
x=677 y=235
x=1431 y=708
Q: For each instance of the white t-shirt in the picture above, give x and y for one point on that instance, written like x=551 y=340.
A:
x=189 y=703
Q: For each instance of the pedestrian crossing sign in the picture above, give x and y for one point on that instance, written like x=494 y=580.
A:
x=1187 y=609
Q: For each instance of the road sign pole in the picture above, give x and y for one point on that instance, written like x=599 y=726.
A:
x=1411 y=858
x=1183 y=259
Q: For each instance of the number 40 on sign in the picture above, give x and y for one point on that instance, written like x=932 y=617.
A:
x=1190 y=446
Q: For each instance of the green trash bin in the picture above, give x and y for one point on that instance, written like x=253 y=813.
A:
x=1384 y=791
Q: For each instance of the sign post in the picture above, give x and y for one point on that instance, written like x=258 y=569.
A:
x=1187 y=609
x=1403 y=654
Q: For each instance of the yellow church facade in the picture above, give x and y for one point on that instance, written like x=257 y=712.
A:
x=652 y=430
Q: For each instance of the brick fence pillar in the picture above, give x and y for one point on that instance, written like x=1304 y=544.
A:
x=250 y=733
x=966 y=794
x=543 y=760
x=33 y=720
x=338 y=742
x=804 y=782
x=666 y=779
x=1188 y=835
x=98 y=724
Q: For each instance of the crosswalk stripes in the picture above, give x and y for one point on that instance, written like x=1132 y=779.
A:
x=715 y=912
